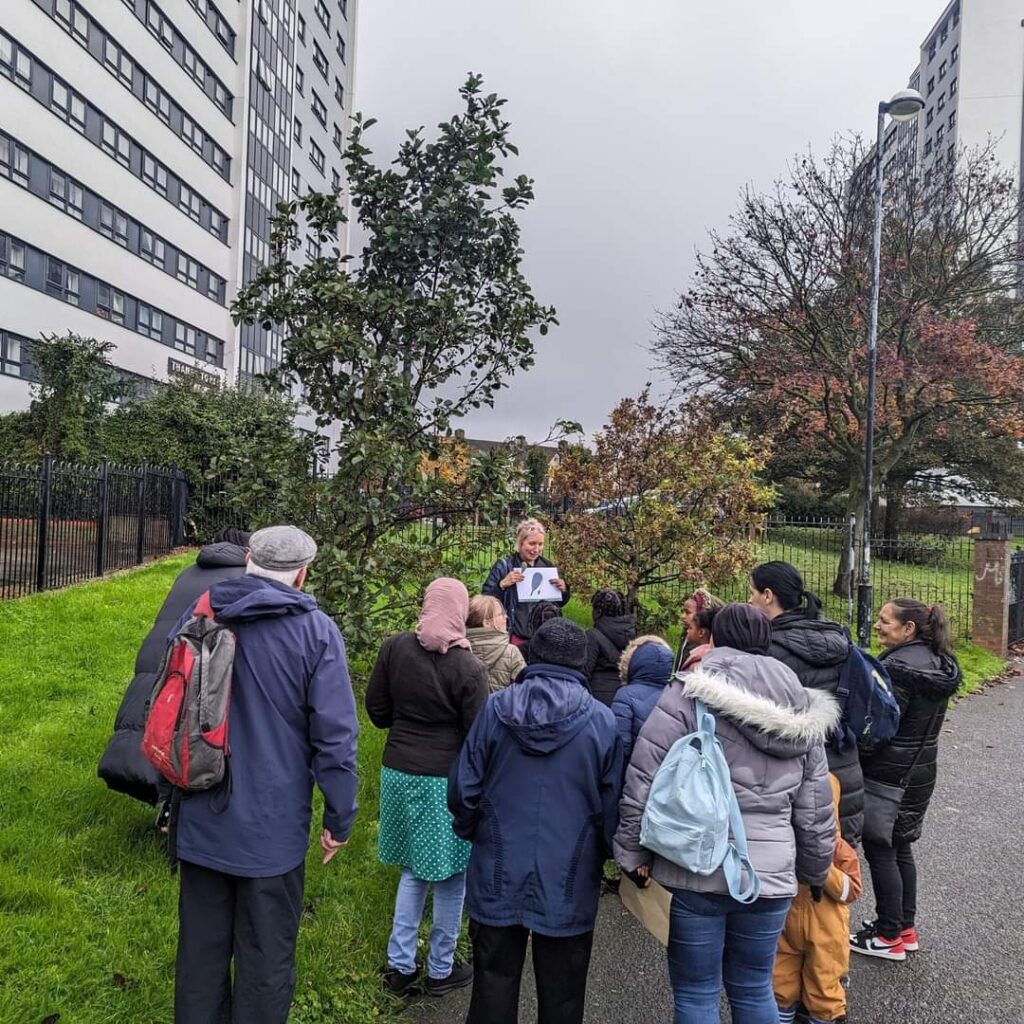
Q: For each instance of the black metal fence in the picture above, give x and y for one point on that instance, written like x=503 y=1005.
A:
x=61 y=522
x=1016 y=609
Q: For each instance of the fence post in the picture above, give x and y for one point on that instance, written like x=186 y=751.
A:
x=179 y=507
x=140 y=540
x=101 y=517
x=991 y=593
x=851 y=555
x=43 y=522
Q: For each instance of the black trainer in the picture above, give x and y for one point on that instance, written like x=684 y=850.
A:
x=399 y=984
x=461 y=976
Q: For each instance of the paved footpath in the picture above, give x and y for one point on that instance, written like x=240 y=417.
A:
x=971 y=903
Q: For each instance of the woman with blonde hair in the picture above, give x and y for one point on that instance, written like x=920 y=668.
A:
x=488 y=639
x=507 y=572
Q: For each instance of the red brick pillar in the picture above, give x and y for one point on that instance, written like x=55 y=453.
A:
x=991 y=594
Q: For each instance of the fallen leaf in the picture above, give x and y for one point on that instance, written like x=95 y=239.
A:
x=119 y=980
x=52 y=1019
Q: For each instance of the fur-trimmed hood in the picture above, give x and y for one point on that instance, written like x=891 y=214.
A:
x=764 y=700
x=633 y=647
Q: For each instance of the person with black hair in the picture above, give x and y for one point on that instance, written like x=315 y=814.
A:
x=815 y=648
x=122 y=766
x=924 y=675
x=612 y=632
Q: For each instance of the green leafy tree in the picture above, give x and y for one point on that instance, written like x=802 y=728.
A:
x=664 y=496
x=76 y=386
x=428 y=323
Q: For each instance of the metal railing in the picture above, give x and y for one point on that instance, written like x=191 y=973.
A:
x=63 y=522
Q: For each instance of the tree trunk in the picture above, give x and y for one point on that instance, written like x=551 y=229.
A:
x=895 y=493
x=846 y=574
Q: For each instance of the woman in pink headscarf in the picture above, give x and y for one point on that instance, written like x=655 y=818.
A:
x=426 y=689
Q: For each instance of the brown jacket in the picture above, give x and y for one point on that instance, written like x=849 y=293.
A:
x=503 y=661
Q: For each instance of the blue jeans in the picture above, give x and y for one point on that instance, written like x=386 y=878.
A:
x=412 y=894
x=711 y=935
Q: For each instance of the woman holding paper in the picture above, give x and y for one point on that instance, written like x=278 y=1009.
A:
x=509 y=583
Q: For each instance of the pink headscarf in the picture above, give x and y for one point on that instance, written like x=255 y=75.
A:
x=443 y=618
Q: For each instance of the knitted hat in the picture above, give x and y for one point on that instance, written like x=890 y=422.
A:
x=559 y=642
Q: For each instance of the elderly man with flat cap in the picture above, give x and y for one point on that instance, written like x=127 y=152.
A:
x=292 y=721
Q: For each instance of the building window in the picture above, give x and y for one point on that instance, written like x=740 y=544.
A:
x=213 y=287
x=339 y=92
x=343 y=7
x=296 y=183
x=10 y=354
x=335 y=180
x=931 y=85
x=942 y=70
x=952 y=87
x=952 y=120
x=154 y=174
x=185 y=338
x=151 y=248
x=929 y=117
x=316 y=155
x=337 y=138
x=68 y=105
x=301 y=28
x=323 y=14
x=219 y=159
x=339 y=46
x=192 y=133
x=951 y=155
x=65 y=193
x=939 y=132
x=956 y=16
x=149 y=321
x=188 y=271
x=928 y=147
x=319 y=110
x=13 y=161
x=16 y=61
x=954 y=54
x=218 y=224
x=212 y=354
x=189 y=202
x=160 y=26
x=931 y=50
x=61 y=281
x=298 y=132
x=158 y=101
x=73 y=18
x=312 y=248
x=942 y=102
x=12 y=258
x=109 y=303
x=319 y=59
x=944 y=35
x=113 y=224
x=116 y=143
x=300 y=81
x=118 y=61
x=195 y=67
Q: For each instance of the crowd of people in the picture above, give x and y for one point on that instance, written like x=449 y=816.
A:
x=521 y=756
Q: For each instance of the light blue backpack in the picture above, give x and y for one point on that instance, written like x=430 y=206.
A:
x=692 y=807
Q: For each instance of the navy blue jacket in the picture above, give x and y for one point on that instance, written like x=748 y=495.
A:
x=292 y=720
x=536 y=789
x=647 y=674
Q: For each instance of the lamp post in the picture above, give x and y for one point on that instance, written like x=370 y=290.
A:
x=904 y=106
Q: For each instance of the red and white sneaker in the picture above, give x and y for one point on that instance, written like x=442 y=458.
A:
x=909 y=939
x=870 y=943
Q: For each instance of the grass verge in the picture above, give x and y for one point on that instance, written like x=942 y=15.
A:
x=88 y=911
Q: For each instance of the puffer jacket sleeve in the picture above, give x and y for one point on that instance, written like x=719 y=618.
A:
x=814 y=823
x=622 y=709
x=512 y=663
x=671 y=718
x=492 y=585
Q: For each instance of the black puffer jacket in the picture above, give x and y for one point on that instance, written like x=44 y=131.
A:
x=122 y=767
x=923 y=682
x=815 y=650
x=610 y=636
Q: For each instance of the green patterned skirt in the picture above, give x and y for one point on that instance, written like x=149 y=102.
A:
x=416 y=826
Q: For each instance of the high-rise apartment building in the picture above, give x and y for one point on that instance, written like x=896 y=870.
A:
x=144 y=145
x=970 y=72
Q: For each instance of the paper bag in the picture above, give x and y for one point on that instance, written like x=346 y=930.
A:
x=649 y=906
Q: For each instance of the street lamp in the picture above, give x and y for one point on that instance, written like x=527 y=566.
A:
x=904 y=106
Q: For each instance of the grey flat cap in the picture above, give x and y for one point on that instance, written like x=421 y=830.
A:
x=281 y=548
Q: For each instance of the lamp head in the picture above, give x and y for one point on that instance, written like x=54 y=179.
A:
x=905 y=105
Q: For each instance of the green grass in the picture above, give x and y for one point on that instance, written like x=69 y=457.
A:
x=88 y=917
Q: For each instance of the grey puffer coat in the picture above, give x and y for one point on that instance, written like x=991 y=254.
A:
x=772 y=732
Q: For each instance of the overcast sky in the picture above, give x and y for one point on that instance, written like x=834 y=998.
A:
x=640 y=123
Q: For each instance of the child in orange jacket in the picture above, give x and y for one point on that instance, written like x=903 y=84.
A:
x=814 y=948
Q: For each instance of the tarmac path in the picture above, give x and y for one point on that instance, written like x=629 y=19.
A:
x=970 y=969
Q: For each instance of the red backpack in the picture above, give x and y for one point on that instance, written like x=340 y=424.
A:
x=186 y=733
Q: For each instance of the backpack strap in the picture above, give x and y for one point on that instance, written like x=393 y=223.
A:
x=737 y=857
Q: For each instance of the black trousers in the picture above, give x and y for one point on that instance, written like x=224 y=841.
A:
x=253 y=921
x=894 y=879
x=560 y=967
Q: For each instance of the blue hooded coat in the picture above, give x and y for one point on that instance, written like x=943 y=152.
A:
x=292 y=720
x=536 y=789
x=648 y=670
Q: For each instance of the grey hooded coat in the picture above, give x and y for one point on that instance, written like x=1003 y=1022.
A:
x=772 y=732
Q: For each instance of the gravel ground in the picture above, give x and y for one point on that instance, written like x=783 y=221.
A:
x=971 y=966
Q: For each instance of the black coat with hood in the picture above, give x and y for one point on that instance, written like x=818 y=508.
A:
x=609 y=637
x=815 y=649
x=923 y=681
x=122 y=767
